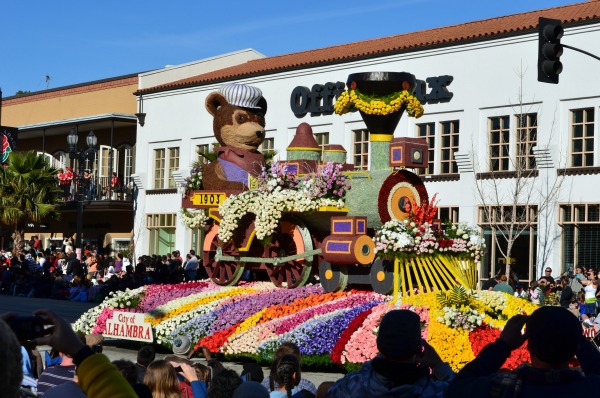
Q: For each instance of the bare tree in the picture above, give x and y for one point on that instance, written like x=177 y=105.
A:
x=512 y=199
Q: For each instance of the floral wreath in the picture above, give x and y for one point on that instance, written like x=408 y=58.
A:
x=193 y=219
x=375 y=105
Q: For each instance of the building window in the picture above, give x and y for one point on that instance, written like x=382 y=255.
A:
x=163 y=177
x=202 y=149
x=448 y=214
x=526 y=140
x=268 y=145
x=161 y=228
x=582 y=137
x=173 y=165
x=322 y=140
x=427 y=131
x=361 y=149
x=159 y=168
x=499 y=139
x=449 y=145
x=496 y=221
x=580 y=225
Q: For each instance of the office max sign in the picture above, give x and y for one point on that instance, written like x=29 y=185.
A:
x=319 y=99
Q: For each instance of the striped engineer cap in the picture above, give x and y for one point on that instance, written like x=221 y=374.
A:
x=241 y=95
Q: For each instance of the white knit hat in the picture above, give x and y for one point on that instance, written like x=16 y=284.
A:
x=181 y=345
x=241 y=95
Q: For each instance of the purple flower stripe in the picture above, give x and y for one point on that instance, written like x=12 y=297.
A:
x=233 y=313
x=293 y=321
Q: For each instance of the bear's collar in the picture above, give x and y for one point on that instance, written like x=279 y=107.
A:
x=251 y=161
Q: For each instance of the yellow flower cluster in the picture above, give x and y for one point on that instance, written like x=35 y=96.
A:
x=350 y=99
x=452 y=345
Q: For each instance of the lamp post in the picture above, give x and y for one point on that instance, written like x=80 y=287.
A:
x=81 y=156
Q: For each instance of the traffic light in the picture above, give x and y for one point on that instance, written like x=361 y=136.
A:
x=550 y=50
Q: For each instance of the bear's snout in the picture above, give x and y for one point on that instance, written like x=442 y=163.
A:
x=260 y=134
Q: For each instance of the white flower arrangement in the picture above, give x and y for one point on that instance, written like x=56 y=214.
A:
x=404 y=238
x=192 y=218
x=464 y=318
x=281 y=192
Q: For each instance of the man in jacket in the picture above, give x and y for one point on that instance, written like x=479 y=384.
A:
x=554 y=336
x=406 y=365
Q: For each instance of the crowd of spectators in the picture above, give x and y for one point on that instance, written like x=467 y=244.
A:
x=576 y=291
x=406 y=366
x=59 y=273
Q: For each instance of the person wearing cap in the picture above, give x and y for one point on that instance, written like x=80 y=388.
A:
x=554 y=336
x=406 y=365
x=182 y=347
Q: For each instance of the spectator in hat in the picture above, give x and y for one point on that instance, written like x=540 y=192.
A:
x=554 y=336
x=406 y=365
x=182 y=347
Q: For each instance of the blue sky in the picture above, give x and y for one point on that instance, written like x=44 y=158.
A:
x=80 y=41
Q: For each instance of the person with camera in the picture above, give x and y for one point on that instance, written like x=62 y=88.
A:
x=96 y=376
x=554 y=336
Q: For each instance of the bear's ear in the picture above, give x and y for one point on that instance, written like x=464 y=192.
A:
x=262 y=104
x=214 y=101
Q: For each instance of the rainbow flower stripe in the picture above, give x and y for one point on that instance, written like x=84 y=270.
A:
x=252 y=319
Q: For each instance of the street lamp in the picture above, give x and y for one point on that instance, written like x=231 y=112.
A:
x=81 y=156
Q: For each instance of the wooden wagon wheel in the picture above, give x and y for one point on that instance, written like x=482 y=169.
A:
x=290 y=238
x=224 y=273
x=333 y=277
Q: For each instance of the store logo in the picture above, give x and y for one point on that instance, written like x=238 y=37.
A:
x=319 y=99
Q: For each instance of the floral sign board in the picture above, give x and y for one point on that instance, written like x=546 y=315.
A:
x=129 y=326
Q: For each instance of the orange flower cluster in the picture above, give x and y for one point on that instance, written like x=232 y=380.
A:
x=423 y=214
x=279 y=311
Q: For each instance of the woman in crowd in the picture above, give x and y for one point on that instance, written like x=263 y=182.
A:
x=162 y=380
x=590 y=287
x=286 y=372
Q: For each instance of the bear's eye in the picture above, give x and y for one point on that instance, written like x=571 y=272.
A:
x=241 y=118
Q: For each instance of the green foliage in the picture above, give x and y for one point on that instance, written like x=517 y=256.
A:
x=456 y=298
x=28 y=193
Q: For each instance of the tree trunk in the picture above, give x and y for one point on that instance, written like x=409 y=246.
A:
x=18 y=241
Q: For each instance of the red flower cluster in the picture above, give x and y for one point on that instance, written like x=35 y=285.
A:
x=338 y=348
x=216 y=341
x=423 y=214
x=484 y=335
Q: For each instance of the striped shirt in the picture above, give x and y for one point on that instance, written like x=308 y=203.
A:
x=54 y=376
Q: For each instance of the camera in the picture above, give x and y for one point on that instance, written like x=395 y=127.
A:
x=27 y=328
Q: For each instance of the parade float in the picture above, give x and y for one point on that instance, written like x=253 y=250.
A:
x=334 y=260
x=314 y=214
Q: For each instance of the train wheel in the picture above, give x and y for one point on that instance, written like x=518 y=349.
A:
x=224 y=273
x=291 y=237
x=333 y=277
x=382 y=276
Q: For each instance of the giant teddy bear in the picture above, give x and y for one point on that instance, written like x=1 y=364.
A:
x=239 y=127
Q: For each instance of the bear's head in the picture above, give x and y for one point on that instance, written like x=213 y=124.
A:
x=239 y=116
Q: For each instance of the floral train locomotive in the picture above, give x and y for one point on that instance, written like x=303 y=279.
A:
x=314 y=214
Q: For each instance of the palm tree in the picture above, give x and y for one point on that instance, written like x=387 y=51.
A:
x=28 y=193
